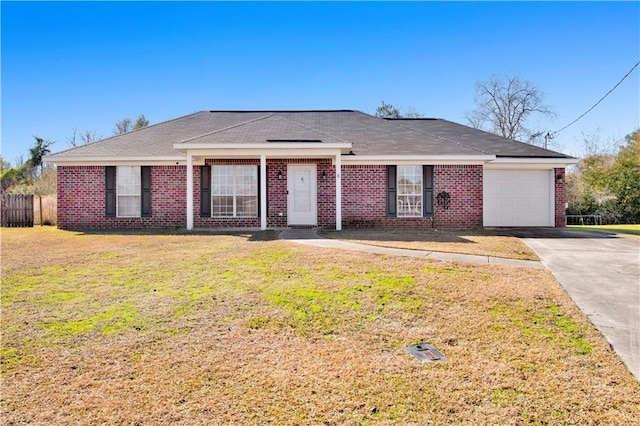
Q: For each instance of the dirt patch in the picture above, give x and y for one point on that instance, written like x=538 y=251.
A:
x=476 y=242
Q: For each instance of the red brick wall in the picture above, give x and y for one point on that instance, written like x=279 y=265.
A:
x=560 y=199
x=81 y=199
x=364 y=198
x=464 y=185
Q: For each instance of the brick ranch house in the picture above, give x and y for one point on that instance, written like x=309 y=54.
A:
x=331 y=169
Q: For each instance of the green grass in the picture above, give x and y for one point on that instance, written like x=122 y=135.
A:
x=618 y=229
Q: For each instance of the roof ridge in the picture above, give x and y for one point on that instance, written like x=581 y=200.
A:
x=228 y=127
x=122 y=134
x=312 y=129
x=443 y=138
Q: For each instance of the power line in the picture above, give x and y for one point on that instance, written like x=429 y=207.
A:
x=553 y=134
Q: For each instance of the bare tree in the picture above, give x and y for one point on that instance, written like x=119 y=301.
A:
x=505 y=103
x=87 y=137
x=72 y=139
x=126 y=125
x=412 y=113
x=389 y=111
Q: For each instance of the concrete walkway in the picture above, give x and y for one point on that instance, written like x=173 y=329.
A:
x=311 y=238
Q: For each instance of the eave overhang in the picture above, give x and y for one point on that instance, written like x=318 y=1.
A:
x=116 y=160
x=416 y=159
x=264 y=148
x=531 y=162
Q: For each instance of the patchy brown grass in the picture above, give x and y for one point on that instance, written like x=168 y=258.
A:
x=478 y=242
x=243 y=329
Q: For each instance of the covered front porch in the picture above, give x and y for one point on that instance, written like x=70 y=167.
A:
x=296 y=184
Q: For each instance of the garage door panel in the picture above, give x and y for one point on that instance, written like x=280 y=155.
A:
x=518 y=198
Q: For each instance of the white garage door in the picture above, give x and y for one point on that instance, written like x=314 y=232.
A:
x=518 y=198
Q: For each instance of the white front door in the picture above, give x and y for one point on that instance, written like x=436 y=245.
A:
x=302 y=190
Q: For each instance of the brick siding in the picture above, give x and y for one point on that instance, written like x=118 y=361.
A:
x=560 y=199
x=464 y=185
x=81 y=197
x=364 y=198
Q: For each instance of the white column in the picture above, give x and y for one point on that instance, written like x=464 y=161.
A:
x=189 y=191
x=338 y=192
x=263 y=192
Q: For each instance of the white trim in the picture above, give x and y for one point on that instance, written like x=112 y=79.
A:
x=555 y=162
x=524 y=166
x=338 y=192
x=117 y=161
x=264 y=147
x=263 y=192
x=256 y=153
x=416 y=159
x=189 y=192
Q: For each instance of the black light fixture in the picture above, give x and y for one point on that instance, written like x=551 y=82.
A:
x=324 y=174
x=279 y=174
x=559 y=177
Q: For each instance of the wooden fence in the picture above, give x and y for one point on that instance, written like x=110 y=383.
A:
x=17 y=211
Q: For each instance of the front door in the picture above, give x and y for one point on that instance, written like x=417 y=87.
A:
x=302 y=190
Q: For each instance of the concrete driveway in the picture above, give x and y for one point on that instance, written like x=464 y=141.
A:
x=601 y=273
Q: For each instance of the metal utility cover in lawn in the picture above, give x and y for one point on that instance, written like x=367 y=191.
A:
x=425 y=352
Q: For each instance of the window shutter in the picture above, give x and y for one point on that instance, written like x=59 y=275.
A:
x=145 y=172
x=110 y=191
x=392 y=192
x=205 y=191
x=427 y=182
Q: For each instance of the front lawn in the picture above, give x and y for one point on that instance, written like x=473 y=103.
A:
x=246 y=329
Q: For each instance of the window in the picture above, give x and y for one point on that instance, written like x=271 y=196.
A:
x=409 y=191
x=234 y=191
x=128 y=191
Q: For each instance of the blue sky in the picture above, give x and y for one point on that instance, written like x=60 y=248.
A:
x=88 y=65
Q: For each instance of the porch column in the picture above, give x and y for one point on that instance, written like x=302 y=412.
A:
x=338 y=192
x=189 y=191
x=263 y=192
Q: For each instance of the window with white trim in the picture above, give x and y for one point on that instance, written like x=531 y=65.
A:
x=129 y=191
x=234 y=191
x=410 y=191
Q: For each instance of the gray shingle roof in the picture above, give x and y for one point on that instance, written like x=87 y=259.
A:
x=476 y=139
x=368 y=135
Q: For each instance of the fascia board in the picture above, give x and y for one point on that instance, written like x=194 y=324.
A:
x=100 y=161
x=271 y=153
x=417 y=159
x=540 y=163
x=264 y=148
